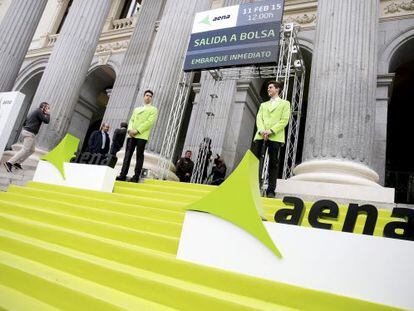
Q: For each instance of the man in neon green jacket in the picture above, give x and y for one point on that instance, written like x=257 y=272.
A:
x=271 y=120
x=139 y=127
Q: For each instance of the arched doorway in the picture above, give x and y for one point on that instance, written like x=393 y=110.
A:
x=92 y=102
x=399 y=170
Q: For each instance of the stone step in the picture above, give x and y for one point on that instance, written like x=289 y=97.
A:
x=310 y=191
x=68 y=248
x=17 y=177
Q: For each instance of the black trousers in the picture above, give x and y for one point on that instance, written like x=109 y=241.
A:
x=273 y=147
x=131 y=145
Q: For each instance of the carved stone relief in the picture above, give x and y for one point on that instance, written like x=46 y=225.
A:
x=112 y=47
x=398 y=6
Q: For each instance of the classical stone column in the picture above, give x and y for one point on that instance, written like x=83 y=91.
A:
x=68 y=66
x=165 y=62
x=125 y=89
x=16 y=32
x=341 y=113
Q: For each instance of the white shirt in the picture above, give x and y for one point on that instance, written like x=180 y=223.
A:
x=103 y=139
x=273 y=101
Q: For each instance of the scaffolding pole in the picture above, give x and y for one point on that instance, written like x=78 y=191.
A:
x=201 y=165
x=174 y=123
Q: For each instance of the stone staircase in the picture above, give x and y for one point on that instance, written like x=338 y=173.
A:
x=21 y=177
x=71 y=249
x=18 y=177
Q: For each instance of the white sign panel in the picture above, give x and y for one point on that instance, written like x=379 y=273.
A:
x=83 y=176
x=10 y=104
x=216 y=19
x=365 y=267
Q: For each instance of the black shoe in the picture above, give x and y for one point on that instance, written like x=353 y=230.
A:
x=120 y=178
x=134 y=179
x=8 y=166
x=270 y=194
x=18 y=166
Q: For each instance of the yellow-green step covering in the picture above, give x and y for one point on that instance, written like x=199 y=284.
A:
x=70 y=249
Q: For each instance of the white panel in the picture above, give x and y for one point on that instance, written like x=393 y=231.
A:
x=48 y=174
x=365 y=267
x=92 y=177
x=10 y=104
x=218 y=19
x=83 y=176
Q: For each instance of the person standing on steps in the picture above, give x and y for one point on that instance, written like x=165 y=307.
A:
x=30 y=129
x=271 y=120
x=139 y=127
x=118 y=138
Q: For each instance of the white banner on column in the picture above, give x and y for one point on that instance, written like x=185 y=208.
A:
x=10 y=104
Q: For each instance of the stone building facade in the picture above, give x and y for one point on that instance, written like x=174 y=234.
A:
x=93 y=59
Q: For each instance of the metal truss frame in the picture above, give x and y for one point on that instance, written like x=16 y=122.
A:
x=202 y=162
x=174 y=123
x=290 y=71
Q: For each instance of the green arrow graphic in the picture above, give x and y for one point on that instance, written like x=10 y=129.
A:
x=238 y=201
x=62 y=153
x=205 y=20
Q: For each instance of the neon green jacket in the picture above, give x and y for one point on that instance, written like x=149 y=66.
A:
x=273 y=117
x=142 y=120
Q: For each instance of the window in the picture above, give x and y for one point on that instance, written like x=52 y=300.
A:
x=131 y=7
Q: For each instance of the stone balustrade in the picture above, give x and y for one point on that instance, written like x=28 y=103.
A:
x=124 y=23
x=51 y=39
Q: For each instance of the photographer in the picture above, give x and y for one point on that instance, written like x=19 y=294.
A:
x=184 y=167
x=218 y=171
x=30 y=129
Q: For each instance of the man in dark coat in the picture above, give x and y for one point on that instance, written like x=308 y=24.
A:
x=118 y=138
x=218 y=172
x=184 y=167
x=30 y=129
x=99 y=141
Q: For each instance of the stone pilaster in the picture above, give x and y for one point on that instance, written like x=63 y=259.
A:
x=165 y=61
x=125 y=90
x=341 y=113
x=68 y=66
x=16 y=32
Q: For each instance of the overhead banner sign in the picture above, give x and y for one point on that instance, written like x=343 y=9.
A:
x=237 y=35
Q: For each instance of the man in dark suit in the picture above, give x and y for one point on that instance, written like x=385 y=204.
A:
x=118 y=138
x=99 y=141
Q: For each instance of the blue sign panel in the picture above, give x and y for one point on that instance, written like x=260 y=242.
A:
x=235 y=36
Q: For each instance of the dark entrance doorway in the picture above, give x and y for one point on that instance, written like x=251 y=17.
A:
x=399 y=170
